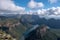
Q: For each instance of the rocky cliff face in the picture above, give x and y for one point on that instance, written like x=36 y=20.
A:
x=41 y=33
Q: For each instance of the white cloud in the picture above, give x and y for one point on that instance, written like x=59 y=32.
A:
x=41 y=12
x=9 y=5
x=50 y=11
x=52 y=16
x=53 y=12
x=33 y=4
x=40 y=4
x=53 y=1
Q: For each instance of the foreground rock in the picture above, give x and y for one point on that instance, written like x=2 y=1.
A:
x=40 y=33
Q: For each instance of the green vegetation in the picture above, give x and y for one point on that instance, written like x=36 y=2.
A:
x=16 y=30
x=56 y=31
x=5 y=36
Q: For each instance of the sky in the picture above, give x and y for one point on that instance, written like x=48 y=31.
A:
x=46 y=3
x=45 y=8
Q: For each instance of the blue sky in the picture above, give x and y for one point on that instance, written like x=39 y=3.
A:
x=47 y=8
x=43 y=7
x=47 y=3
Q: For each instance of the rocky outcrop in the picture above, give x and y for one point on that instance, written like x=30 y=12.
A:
x=41 y=33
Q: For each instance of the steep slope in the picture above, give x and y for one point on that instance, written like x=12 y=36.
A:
x=18 y=31
x=35 y=19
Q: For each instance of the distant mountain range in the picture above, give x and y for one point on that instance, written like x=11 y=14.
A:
x=34 y=19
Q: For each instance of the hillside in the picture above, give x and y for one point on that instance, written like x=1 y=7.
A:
x=50 y=34
x=35 y=19
x=18 y=26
